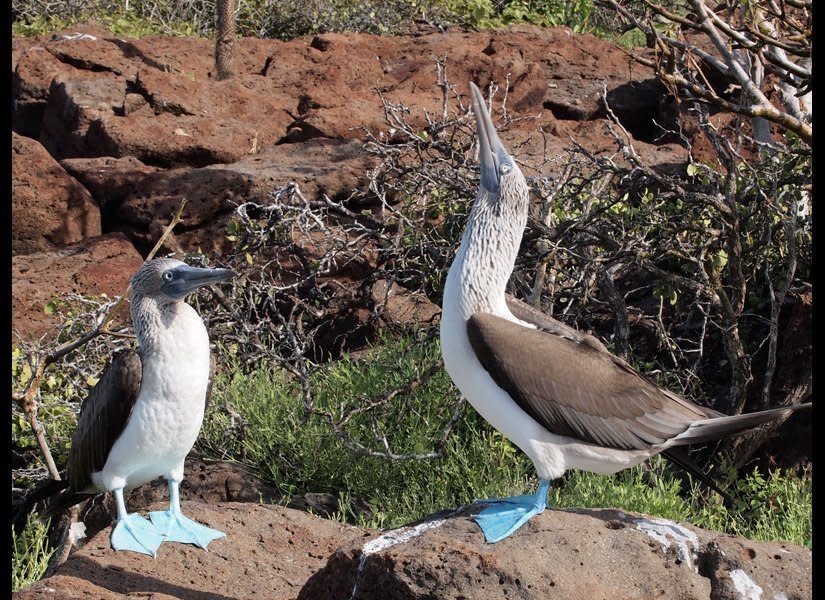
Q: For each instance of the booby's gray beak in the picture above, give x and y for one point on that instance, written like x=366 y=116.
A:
x=494 y=158
x=180 y=281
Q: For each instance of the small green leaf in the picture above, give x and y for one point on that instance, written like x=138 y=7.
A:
x=720 y=259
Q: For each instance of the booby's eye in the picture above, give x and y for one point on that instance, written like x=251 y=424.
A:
x=167 y=276
x=505 y=168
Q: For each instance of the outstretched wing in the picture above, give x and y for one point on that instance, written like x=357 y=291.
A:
x=572 y=386
x=103 y=416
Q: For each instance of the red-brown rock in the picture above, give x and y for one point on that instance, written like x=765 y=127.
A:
x=101 y=265
x=564 y=555
x=327 y=86
x=269 y=552
x=400 y=307
x=273 y=552
x=140 y=200
x=154 y=99
x=50 y=209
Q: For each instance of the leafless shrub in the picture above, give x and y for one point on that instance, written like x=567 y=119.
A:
x=749 y=58
x=46 y=408
x=308 y=265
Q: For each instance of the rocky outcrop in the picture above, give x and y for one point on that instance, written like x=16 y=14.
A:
x=278 y=553
x=136 y=125
x=97 y=266
x=269 y=552
x=50 y=209
x=139 y=200
x=156 y=98
x=564 y=554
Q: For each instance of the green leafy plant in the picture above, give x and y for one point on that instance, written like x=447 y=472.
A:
x=30 y=553
x=406 y=455
x=287 y=19
x=776 y=506
x=773 y=507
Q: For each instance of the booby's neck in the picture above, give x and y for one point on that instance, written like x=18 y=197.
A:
x=167 y=324
x=478 y=277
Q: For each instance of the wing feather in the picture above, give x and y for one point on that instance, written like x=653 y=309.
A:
x=575 y=387
x=103 y=416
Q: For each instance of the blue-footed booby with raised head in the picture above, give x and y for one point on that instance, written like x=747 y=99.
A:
x=142 y=418
x=556 y=393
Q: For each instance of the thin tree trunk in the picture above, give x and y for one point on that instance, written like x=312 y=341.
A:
x=225 y=42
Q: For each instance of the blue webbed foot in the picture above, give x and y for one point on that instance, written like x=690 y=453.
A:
x=176 y=527
x=133 y=532
x=503 y=517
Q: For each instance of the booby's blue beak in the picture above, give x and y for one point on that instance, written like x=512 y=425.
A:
x=494 y=158
x=182 y=280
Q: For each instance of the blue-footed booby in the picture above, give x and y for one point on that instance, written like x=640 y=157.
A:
x=556 y=393
x=142 y=418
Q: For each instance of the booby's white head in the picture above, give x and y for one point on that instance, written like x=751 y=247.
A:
x=158 y=290
x=170 y=280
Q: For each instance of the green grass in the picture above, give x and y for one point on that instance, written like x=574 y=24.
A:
x=301 y=453
x=773 y=507
x=31 y=553
x=120 y=23
x=287 y=19
x=776 y=506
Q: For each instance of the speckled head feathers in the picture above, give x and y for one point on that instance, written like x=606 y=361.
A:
x=172 y=279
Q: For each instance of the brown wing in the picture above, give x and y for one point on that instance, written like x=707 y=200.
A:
x=103 y=416
x=577 y=388
x=530 y=314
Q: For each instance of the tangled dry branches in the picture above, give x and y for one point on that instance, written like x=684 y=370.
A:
x=687 y=274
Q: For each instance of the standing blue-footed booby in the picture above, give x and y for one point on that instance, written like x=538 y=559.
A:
x=142 y=418
x=557 y=394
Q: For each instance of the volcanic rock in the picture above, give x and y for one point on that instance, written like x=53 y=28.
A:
x=278 y=553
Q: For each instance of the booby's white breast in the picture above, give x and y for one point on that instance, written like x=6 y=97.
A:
x=168 y=413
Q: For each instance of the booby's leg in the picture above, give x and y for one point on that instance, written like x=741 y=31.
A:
x=179 y=528
x=133 y=532
x=504 y=516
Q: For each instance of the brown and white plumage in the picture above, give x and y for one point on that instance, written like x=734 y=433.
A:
x=103 y=417
x=587 y=393
x=556 y=393
x=142 y=418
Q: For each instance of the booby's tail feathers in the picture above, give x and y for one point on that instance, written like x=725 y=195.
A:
x=50 y=492
x=61 y=502
x=681 y=459
x=717 y=427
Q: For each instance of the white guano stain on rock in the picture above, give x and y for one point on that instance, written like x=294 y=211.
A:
x=398 y=536
x=745 y=586
x=77 y=532
x=668 y=533
x=388 y=540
